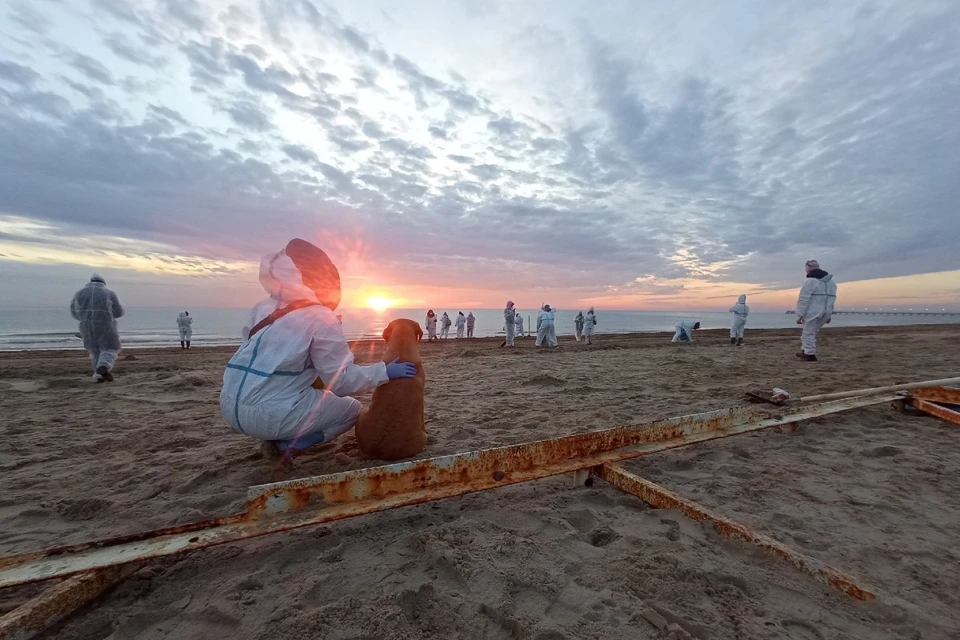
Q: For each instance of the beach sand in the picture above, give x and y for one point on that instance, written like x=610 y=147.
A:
x=871 y=492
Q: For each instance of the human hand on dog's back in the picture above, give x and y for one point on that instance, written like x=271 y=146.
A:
x=397 y=369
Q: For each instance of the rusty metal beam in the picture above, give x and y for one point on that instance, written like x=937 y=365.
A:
x=948 y=395
x=309 y=501
x=662 y=498
x=935 y=410
x=59 y=601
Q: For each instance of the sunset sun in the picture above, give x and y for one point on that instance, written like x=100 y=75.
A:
x=379 y=303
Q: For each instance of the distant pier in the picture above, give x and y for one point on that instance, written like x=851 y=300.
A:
x=898 y=313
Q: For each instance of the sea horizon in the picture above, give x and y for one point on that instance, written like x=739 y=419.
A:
x=52 y=328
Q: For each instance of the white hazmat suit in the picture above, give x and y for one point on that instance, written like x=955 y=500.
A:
x=684 y=331
x=185 y=327
x=815 y=307
x=740 y=312
x=471 y=322
x=519 y=325
x=589 y=322
x=546 y=327
x=431 y=327
x=97 y=308
x=509 y=324
x=269 y=388
x=461 y=325
x=445 y=326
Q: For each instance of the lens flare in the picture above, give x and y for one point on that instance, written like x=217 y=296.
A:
x=379 y=303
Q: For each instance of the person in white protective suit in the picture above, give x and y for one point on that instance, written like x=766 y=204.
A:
x=509 y=324
x=445 y=326
x=97 y=308
x=461 y=324
x=546 y=327
x=290 y=381
x=578 y=325
x=519 y=320
x=814 y=308
x=740 y=312
x=471 y=322
x=185 y=327
x=431 y=325
x=684 y=331
x=589 y=322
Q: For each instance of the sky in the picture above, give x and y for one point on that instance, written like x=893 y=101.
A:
x=625 y=154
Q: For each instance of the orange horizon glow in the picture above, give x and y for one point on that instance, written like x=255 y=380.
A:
x=380 y=303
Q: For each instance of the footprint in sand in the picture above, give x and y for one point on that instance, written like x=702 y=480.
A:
x=603 y=536
x=544 y=381
x=799 y=630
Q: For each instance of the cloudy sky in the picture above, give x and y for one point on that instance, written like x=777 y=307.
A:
x=623 y=153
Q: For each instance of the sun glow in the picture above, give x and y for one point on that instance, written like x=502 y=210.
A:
x=380 y=303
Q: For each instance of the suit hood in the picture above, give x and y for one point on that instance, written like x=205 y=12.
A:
x=301 y=271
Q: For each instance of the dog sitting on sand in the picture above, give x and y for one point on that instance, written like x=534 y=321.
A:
x=392 y=427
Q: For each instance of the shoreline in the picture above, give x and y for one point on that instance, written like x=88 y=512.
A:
x=700 y=337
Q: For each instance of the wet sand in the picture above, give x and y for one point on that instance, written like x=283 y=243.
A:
x=872 y=492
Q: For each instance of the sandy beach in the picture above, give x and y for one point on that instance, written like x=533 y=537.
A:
x=871 y=492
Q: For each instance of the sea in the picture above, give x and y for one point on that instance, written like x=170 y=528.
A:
x=54 y=328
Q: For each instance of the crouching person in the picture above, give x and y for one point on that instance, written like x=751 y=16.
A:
x=290 y=383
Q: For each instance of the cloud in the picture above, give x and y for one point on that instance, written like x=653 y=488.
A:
x=507 y=127
x=373 y=130
x=627 y=172
x=18 y=74
x=272 y=79
x=404 y=148
x=29 y=17
x=188 y=13
x=352 y=37
x=91 y=68
x=486 y=171
x=125 y=49
x=300 y=153
x=43 y=103
x=248 y=115
x=169 y=114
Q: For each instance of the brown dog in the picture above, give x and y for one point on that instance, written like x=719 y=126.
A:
x=392 y=427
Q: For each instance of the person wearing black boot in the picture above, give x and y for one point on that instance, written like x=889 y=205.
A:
x=740 y=312
x=185 y=325
x=97 y=308
x=814 y=308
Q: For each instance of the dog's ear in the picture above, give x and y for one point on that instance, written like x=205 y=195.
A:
x=419 y=331
x=388 y=332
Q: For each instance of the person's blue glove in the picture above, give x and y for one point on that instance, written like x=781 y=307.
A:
x=397 y=369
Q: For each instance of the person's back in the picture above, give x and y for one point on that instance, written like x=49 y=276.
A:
x=283 y=349
x=96 y=304
x=589 y=322
x=815 y=304
x=97 y=308
x=185 y=327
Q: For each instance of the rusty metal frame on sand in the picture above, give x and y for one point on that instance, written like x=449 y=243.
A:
x=310 y=501
x=92 y=567
x=932 y=399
